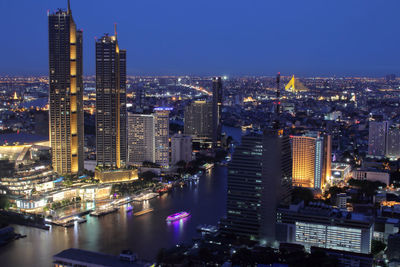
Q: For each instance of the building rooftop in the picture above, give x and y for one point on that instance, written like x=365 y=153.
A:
x=21 y=138
x=94 y=258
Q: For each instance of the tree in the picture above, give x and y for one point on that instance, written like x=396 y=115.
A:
x=302 y=193
x=4 y=202
x=377 y=246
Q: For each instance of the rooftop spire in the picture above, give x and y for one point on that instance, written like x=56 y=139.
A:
x=69 y=7
x=115 y=30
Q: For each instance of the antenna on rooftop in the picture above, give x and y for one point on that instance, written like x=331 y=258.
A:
x=69 y=7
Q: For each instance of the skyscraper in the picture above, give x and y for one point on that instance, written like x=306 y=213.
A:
x=161 y=136
x=377 y=139
x=181 y=148
x=311 y=159
x=148 y=138
x=66 y=93
x=393 y=142
x=198 y=121
x=259 y=180
x=111 y=131
x=217 y=110
x=140 y=138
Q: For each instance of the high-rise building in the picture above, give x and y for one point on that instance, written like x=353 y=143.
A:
x=161 y=136
x=311 y=159
x=140 y=138
x=377 y=139
x=259 y=180
x=198 y=120
x=181 y=148
x=111 y=131
x=148 y=137
x=217 y=111
x=393 y=143
x=66 y=93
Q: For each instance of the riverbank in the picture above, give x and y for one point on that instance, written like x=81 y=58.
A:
x=145 y=234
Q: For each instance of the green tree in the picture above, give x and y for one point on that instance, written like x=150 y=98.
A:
x=4 y=202
x=377 y=246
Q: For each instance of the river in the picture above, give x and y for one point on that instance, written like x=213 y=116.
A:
x=144 y=234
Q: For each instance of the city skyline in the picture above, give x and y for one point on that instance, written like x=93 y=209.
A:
x=175 y=38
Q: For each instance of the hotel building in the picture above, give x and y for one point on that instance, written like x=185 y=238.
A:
x=148 y=137
x=311 y=160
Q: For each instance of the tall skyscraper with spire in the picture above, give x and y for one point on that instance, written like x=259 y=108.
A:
x=65 y=93
x=111 y=131
x=217 y=110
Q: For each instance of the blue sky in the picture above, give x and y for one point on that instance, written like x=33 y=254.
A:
x=216 y=37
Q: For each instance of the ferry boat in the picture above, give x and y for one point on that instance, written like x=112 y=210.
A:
x=177 y=216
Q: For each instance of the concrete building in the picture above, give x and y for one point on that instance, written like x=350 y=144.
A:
x=340 y=172
x=372 y=175
x=341 y=201
x=148 y=137
x=181 y=148
x=217 y=111
x=393 y=143
x=199 y=121
x=393 y=247
x=259 y=180
x=140 y=138
x=320 y=225
x=161 y=136
x=66 y=93
x=311 y=155
x=111 y=141
x=377 y=138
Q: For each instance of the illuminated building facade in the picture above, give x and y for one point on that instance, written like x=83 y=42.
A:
x=320 y=225
x=66 y=93
x=377 y=138
x=140 y=138
x=311 y=160
x=259 y=180
x=148 y=137
x=161 y=136
x=216 y=111
x=111 y=130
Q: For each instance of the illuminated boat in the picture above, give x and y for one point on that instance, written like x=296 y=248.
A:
x=129 y=208
x=177 y=216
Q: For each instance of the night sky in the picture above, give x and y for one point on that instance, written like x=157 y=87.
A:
x=216 y=37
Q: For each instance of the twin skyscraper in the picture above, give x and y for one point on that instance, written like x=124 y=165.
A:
x=66 y=97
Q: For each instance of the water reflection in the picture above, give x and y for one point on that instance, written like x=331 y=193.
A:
x=144 y=234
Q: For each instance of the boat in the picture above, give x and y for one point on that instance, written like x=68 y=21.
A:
x=103 y=211
x=177 y=216
x=129 y=208
x=142 y=212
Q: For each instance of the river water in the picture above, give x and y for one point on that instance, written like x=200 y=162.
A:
x=145 y=234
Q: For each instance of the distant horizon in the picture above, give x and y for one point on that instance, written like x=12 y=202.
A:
x=308 y=39
x=210 y=76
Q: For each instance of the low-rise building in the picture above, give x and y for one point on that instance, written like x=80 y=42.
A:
x=372 y=175
x=323 y=226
